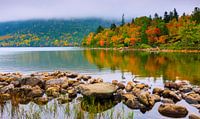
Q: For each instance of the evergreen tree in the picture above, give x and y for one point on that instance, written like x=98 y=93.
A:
x=196 y=15
x=166 y=17
x=123 y=20
x=156 y=16
x=99 y=29
x=170 y=16
x=113 y=26
x=175 y=14
x=133 y=20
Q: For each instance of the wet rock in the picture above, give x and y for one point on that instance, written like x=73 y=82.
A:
x=24 y=100
x=15 y=83
x=194 y=116
x=167 y=100
x=63 y=99
x=59 y=81
x=41 y=100
x=171 y=85
x=5 y=96
x=86 y=78
x=196 y=90
x=156 y=98
x=196 y=106
x=99 y=90
x=7 y=89
x=131 y=101
x=136 y=91
x=172 y=110
x=53 y=91
x=140 y=86
x=72 y=93
x=72 y=75
x=71 y=82
x=3 y=83
x=120 y=85
x=170 y=94
x=120 y=92
x=32 y=81
x=36 y=92
x=146 y=99
x=65 y=85
x=128 y=88
x=192 y=98
x=114 y=82
x=185 y=89
x=93 y=80
x=157 y=91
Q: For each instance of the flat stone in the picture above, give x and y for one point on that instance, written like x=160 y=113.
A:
x=100 y=90
x=172 y=110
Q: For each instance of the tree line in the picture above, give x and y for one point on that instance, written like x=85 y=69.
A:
x=170 y=31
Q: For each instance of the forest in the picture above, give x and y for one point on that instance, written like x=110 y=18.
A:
x=44 y=33
x=171 y=31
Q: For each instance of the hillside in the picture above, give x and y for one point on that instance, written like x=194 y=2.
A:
x=171 y=31
x=48 y=32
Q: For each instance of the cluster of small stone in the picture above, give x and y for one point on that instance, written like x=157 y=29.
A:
x=138 y=96
x=41 y=87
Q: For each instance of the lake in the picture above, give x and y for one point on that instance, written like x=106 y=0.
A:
x=151 y=68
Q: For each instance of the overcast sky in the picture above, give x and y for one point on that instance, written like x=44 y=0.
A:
x=36 y=9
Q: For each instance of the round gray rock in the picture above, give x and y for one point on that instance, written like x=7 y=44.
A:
x=99 y=90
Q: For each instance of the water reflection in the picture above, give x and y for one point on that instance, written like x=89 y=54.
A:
x=171 y=66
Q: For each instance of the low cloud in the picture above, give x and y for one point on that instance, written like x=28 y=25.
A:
x=44 y=9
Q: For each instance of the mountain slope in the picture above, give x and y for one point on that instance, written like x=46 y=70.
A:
x=48 y=32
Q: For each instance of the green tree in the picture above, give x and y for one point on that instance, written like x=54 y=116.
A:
x=113 y=26
x=196 y=15
x=123 y=20
x=175 y=14
x=99 y=29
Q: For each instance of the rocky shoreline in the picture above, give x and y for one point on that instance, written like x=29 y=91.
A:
x=42 y=87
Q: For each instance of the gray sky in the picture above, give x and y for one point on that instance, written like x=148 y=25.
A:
x=36 y=9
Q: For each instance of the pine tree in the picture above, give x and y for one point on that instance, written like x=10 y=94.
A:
x=196 y=15
x=99 y=29
x=113 y=26
x=123 y=20
x=175 y=14
x=166 y=17
x=156 y=16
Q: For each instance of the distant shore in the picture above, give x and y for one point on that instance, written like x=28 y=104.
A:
x=148 y=50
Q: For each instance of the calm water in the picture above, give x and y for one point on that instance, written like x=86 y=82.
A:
x=150 y=68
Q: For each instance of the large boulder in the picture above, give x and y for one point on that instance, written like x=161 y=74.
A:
x=99 y=90
x=172 y=110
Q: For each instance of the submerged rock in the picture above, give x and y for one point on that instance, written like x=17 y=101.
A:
x=172 y=110
x=100 y=90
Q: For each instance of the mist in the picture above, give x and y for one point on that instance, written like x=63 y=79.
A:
x=12 y=10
